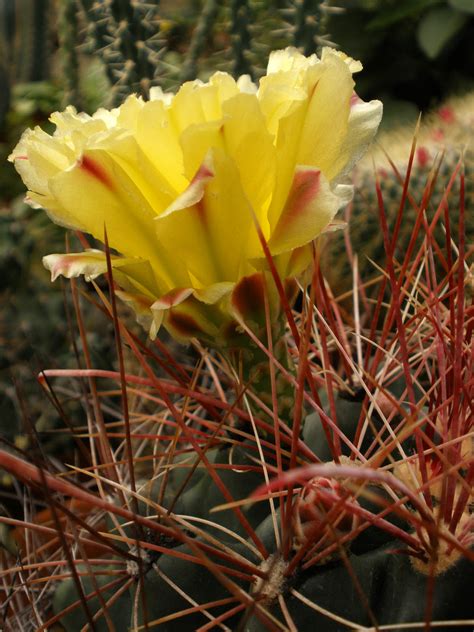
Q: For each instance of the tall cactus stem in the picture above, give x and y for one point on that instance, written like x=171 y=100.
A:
x=68 y=36
x=310 y=24
x=241 y=38
x=200 y=37
x=125 y=35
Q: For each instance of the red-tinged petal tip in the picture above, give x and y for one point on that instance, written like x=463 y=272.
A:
x=172 y=298
x=355 y=99
x=203 y=173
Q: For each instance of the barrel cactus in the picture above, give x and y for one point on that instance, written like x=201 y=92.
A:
x=206 y=507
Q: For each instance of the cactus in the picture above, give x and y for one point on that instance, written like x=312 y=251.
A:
x=206 y=507
x=200 y=36
x=127 y=37
x=310 y=24
x=134 y=40
x=68 y=35
x=240 y=37
x=444 y=139
x=24 y=45
x=199 y=500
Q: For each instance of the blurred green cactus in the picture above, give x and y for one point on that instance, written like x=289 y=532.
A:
x=25 y=45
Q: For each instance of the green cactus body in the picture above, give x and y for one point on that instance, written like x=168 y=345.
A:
x=310 y=24
x=384 y=585
x=68 y=33
x=241 y=38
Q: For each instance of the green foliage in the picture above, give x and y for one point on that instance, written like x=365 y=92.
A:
x=393 y=14
x=405 y=37
x=462 y=5
x=437 y=28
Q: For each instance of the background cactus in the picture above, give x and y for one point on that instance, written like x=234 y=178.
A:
x=25 y=45
x=127 y=37
x=444 y=140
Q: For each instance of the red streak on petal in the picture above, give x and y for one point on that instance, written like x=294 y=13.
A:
x=21 y=157
x=184 y=324
x=304 y=189
x=203 y=173
x=96 y=170
x=201 y=211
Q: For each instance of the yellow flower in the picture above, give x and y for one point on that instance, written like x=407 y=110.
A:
x=180 y=181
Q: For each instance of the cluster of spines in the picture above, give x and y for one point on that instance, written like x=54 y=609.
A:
x=307 y=22
x=126 y=34
x=444 y=140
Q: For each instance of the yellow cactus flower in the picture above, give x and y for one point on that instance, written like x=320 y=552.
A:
x=180 y=181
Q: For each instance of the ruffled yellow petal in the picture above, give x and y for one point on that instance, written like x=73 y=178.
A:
x=159 y=141
x=197 y=102
x=364 y=120
x=250 y=145
x=38 y=157
x=289 y=60
x=109 y=199
x=323 y=135
x=287 y=144
x=196 y=142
